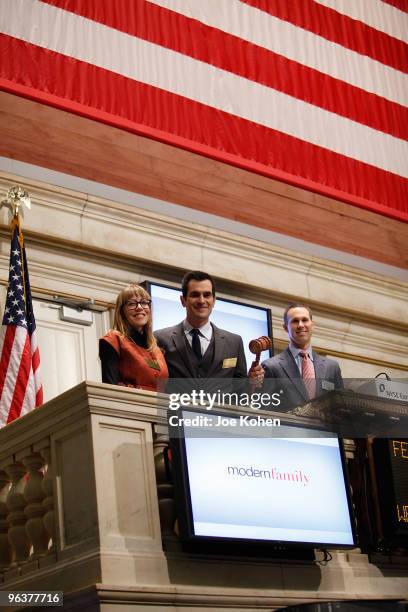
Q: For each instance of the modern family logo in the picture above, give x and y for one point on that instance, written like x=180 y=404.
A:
x=297 y=476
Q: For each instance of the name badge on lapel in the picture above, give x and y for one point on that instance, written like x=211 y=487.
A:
x=327 y=385
x=230 y=362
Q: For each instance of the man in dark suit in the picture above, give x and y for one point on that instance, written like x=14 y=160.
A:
x=302 y=373
x=196 y=348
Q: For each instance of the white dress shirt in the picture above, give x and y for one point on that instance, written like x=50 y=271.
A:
x=295 y=350
x=205 y=334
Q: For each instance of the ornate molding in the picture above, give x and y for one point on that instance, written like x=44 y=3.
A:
x=359 y=312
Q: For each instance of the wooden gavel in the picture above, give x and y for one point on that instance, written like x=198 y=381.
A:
x=258 y=345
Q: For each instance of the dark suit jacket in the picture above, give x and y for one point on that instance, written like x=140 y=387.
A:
x=226 y=346
x=283 y=367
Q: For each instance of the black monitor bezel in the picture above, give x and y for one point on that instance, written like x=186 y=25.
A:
x=184 y=506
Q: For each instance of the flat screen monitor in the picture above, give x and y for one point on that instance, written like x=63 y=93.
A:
x=251 y=484
x=237 y=317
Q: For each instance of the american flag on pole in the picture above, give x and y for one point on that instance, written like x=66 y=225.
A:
x=309 y=92
x=20 y=381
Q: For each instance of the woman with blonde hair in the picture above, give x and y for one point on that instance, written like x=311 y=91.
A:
x=129 y=354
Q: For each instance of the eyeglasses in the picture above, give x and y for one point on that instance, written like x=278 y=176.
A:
x=134 y=304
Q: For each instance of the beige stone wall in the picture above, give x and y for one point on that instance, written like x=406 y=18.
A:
x=89 y=247
x=93 y=456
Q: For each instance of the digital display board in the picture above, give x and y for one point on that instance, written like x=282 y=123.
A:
x=391 y=470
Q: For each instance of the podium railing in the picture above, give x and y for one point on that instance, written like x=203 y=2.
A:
x=85 y=500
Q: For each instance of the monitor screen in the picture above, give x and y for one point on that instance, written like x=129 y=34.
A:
x=253 y=485
x=248 y=321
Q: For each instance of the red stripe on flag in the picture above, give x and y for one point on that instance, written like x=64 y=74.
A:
x=159 y=114
x=39 y=397
x=337 y=28
x=36 y=359
x=21 y=381
x=399 y=4
x=5 y=354
x=207 y=44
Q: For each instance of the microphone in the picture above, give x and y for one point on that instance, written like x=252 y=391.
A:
x=258 y=345
x=383 y=374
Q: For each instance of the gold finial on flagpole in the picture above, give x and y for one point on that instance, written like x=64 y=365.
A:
x=16 y=196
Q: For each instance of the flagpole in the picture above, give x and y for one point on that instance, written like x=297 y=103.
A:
x=15 y=198
x=20 y=387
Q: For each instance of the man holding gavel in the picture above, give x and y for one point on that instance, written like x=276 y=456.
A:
x=196 y=348
x=309 y=374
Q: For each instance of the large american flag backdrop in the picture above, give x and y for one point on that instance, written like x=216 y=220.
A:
x=20 y=381
x=311 y=92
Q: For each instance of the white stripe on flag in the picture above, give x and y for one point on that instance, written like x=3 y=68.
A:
x=34 y=343
x=13 y=368
x=29 y=397
x=262 y=29
x=37 y=380
x=378 y=15
x=152 y=64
